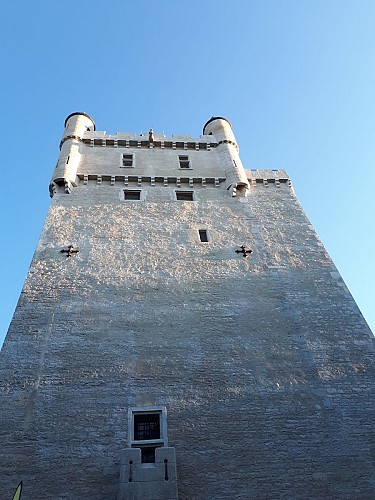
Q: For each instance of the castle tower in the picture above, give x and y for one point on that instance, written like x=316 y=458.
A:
x=182 y=332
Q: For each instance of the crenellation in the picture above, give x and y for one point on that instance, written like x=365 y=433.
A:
x=139 y=141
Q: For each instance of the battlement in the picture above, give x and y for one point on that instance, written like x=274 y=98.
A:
x=87 y=155
x=130 y=139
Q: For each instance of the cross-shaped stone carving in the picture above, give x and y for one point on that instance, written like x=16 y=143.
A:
x=70 y=251
x=245 y=251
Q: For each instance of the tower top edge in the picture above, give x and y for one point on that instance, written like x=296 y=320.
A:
x=216 y=118
x=79 y=113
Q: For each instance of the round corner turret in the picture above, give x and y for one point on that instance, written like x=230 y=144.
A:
x=227 y=147
x=76 y=125
x=221 y=128
x=79 y=113
x=213 y=119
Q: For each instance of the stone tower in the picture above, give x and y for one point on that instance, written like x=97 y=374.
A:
x=182 y=332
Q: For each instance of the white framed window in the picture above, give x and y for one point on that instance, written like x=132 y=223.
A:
x=184 y=161
x=132 y=194
x=147 y=430
x=127 y=160
x=184 y=196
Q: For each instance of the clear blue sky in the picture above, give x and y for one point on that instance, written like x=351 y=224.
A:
x=295 y=78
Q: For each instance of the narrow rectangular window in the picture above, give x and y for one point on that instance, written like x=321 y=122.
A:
x=147 y=431
x=203 y=235
x=146 y=426
x=67 y=160
x=127 y=160
x=184 y=195
x=132 y=194
x=184 y=161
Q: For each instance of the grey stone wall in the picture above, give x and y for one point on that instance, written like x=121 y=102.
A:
x=265 y=363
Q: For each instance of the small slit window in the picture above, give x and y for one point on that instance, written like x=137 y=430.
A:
x=132 y=194
x=203 y=235
x=184 y=195
x=127 y=160
x=184 y=161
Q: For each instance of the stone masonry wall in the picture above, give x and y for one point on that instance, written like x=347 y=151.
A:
x=264 y=363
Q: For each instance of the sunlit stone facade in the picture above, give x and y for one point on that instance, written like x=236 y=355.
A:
x=182 y=332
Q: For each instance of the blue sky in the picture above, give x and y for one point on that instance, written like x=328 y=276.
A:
x=295 y=78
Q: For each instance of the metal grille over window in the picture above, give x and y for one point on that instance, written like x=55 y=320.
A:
x=148 y=431
x=127 y=160
x=148 y=464
x=146 y=426
x=184 y=161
